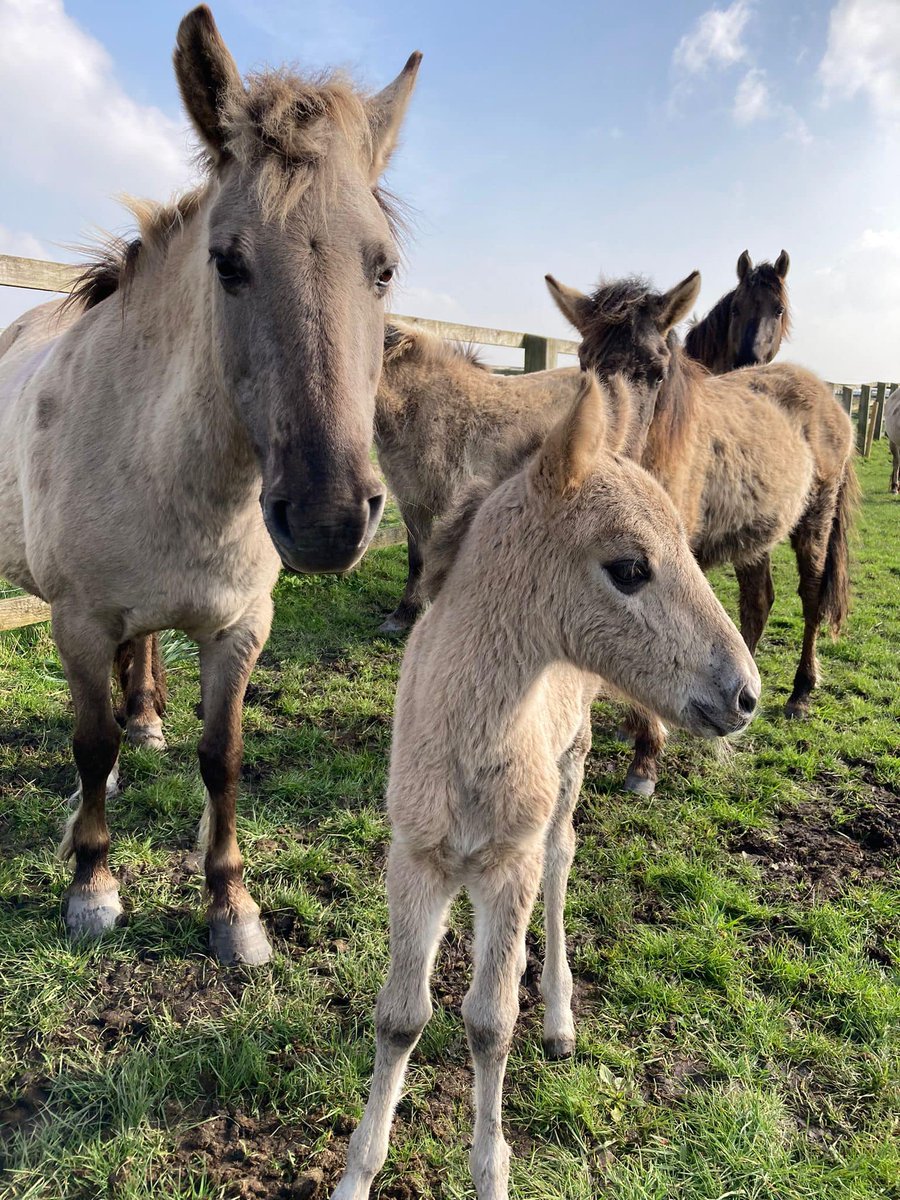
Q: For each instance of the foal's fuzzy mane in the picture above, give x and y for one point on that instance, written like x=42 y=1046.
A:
x=411 y=343
x=706 y=336
x=613 y=300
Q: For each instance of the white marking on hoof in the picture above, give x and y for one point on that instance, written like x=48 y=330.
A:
x=239 y=942
x=639 y=785
x=88 y=915
x=149 y=734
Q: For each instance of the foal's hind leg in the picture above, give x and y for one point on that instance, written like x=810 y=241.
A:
x=649 y=735
x=419 y=896
x=235 y=930
x=556 y=978
x=142 y=678
x=810 y=541
x=503 y=898
x=756 y=597
x=91 y=903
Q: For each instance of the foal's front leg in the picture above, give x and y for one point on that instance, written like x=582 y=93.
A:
x=236 y=933
x=556 y=977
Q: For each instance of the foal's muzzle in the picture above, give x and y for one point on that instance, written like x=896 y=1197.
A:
x=322 y=540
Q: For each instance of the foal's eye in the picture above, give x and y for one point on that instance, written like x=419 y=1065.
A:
x=231 y=271
x=629 y=574
x=383 y=278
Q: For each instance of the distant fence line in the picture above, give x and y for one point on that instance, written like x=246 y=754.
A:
x=865 y=401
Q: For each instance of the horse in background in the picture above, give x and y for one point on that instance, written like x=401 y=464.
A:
x=749 y=458
x=747 y=326
x=199 y=411
x=892 y=429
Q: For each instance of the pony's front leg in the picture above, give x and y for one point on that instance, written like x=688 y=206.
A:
x=895 y=467
x=91 y=904
x=503 y=898
x=236 y=933
x=556 y=977
x=649 y=735
x=418 y=895
x=142 y=678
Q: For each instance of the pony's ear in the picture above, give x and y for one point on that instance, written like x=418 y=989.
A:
x=570 y=449
x=678 y=301
x=782 y=264
x=386 y=112
x=744 y=265
x=574 y=305
x=206 y=73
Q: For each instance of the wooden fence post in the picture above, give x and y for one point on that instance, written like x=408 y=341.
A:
x=846 y=399
x=862 y=419
x=880 y=392
x=540 y=353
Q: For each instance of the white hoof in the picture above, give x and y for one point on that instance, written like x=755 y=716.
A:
x=150 y=735
x=88 y=915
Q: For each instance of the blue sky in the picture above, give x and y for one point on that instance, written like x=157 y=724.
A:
x=583 y=139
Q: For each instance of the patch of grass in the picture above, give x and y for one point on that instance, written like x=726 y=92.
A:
x=735 y=940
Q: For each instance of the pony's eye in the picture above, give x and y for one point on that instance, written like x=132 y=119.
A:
x=231 y=271
x=383 y=279
x=629 y=575
x=779 y=312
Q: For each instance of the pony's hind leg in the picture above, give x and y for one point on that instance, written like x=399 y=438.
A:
x=756 y=596
x=418 y=528
x=649 y=735
x=91 y=904
x=142 y=678
x=235 y=930
x=418 y=895
x=503 y=898
x=556 y=978
x=810 y=541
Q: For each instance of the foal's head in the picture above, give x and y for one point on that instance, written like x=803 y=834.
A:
x=627 y=327
x=631 y=603
x=758 y=316
x=299 y=255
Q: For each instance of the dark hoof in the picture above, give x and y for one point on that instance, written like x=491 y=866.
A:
x=150 y=735
x=796 y=710
x=559 y=1047
x=639 y=784
x=240 y=942
x=396 y=624
x=88 y=915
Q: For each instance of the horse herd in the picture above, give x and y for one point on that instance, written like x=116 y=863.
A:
x=201 y=411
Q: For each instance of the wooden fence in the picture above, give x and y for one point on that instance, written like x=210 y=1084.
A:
x=865 y=401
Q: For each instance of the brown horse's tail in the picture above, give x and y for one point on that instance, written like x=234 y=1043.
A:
x=834 y=590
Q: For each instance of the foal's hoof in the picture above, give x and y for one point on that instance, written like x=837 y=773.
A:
x=149 y=735
x=559 y=1047
x=395 y=624
x=240 y=942
x=88 y=915
x=640 y=785
x=795 y=710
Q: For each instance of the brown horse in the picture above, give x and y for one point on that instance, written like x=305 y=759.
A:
x=747 y=326
x=749 y=458
x=200 y=411
x=574 y=571
x=442 y=419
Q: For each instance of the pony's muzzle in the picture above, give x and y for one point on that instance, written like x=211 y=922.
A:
x=322 y=541
x=727 y=709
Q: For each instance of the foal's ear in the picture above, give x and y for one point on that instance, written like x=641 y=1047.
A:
x=386 y=112
x=574 y=305
x=782 y=264
x=570 y=449
x=744 y=265
x=206 y=73
x=678 y=302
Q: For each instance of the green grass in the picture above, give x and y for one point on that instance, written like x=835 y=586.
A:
x=735 y=940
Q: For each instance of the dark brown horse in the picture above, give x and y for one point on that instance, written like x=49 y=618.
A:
x=749 y=458
x=747 y=326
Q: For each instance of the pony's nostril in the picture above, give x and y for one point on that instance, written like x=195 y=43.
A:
x=748 y=698
x=376 y=508
x=279 y=526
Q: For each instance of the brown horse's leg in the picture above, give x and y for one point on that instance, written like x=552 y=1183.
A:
x=649 y=735
x=91 y=903
x=142 y=678
x=757 y=595
x=418 y=530
x=235 y=931
x=895 y=468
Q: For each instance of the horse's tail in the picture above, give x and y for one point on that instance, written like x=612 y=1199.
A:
x=834 y=589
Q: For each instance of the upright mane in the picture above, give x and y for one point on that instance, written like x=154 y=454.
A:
x=411 y=343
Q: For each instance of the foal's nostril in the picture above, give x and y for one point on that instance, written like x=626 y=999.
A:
x=279 y=527
x=747 y=700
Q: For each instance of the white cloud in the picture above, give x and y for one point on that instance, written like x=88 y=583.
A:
x=68 y=124
x=23 y=245
x=863 y=54
x=752 y=100
x=715 y=40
